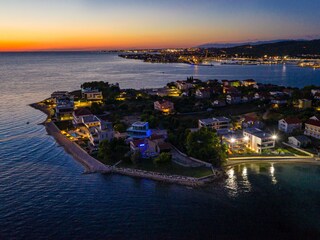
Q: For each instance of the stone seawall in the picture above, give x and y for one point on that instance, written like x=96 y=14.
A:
x=177 y=179
x=91 y=164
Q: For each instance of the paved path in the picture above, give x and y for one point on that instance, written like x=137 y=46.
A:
x=183 y=160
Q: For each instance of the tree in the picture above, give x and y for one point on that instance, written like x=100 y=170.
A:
x=114 y=150
x=163 y=158
x=96 y=108
x=206 y=145
x=135 y=157
x=119 y=127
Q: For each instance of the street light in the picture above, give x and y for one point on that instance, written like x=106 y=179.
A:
x=232 y=140
x=274 y=137
x=246 y=138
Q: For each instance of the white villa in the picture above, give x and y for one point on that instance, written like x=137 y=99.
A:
x=215 y=122
x=258 y=140
x=104 y=131
x=288 y=125
x=91 y=94
x=312 y=127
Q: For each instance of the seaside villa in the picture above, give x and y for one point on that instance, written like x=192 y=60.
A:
x=64 y=107
x=91 y=94
x=139 y=130
x=312 y=127
x=236 y=142
x=258 y=140
x=104 y=131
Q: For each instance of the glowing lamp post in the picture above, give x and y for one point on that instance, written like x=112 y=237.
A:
x=232 y=141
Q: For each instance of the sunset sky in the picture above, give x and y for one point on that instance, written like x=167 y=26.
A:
x=28 y=25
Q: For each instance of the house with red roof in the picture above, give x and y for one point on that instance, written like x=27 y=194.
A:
x=312 y=127
x=289 y=124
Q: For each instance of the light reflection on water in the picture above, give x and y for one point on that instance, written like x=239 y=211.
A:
x=231 y=183
x=238 y=177
x=272 y=174
x=245 y=181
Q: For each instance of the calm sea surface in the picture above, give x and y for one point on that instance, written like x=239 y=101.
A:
x=45 y=195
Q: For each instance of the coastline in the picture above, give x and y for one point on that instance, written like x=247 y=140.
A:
x=92 y=165
x=286 y=161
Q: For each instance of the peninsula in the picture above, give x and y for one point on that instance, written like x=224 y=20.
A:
x=187 y=132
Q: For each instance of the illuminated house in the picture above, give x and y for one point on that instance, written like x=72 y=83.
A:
x=231 y=83
x=139 y=130
x=305 y=103
x=91 y=94
x=216 y=123
x=64 y=107
x=258 y=140
x=164 y=106
x=100 y=132
x=235 y=141
x=139 y=145
x=248 y=82
x=312 y=127
x=150 y=147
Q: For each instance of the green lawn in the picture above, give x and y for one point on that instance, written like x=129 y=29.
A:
x=168 y=168
x=294 y=151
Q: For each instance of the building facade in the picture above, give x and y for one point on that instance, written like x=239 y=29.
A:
x=258 y=140
x=215 y=123
x=64 y=107
x=312 y=128
x=288 y=125
x=139 y=130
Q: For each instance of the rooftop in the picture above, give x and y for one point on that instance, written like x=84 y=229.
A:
x=292 y=120
x=301 y=138
x=90 y=119
x=313 y=122
x=140 y=124
x=213 y=120
x=82 y=112
x=258 y=133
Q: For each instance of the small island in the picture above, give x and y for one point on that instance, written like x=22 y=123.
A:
x=187 y=132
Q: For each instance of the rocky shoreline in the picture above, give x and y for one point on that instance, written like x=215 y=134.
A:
x=92 y=165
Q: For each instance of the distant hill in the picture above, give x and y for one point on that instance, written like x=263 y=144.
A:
x=230 y=45
x=282 y=48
